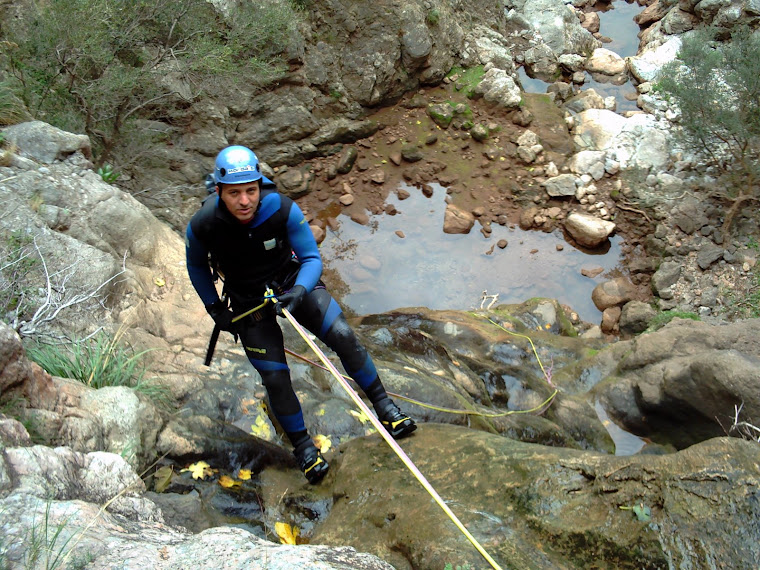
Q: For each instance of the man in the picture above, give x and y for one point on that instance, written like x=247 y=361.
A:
x=257 y=238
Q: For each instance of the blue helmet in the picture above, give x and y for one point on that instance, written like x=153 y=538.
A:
x=236 y=165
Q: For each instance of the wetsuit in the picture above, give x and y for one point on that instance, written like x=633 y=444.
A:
x=276 y=248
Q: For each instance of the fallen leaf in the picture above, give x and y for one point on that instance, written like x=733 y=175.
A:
x=159 y=281
x=200 y=470
x=261 y=428
x=286 y=532
x=359 y=416
x=323 y=442
x=163 y=477
x=244 y=474
x=227 y=482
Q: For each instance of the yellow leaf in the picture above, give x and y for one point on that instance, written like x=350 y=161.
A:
x=261 y=428
x=359 y=416
x=227 y=482
x=419 y=122
x=163 y=477
x=286 y=532
x=547 y=326
x=244 y=474
x=159 y=281
x=200 y=470
x=323 y=442
x=320 y=412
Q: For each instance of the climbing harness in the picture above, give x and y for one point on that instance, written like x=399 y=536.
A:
x=385 y=435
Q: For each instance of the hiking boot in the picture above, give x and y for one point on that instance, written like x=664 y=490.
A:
x=311 y=462
x=395 y=422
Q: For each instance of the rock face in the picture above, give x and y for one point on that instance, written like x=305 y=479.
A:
x=546 y=500
x=680 y=372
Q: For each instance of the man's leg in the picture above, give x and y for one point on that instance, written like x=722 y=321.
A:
x=322 y=315
x=263 y=344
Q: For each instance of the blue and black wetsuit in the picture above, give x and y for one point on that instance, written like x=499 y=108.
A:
x=276 y=248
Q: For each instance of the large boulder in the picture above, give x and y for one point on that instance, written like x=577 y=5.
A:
x=687 y=382
x=589 y=231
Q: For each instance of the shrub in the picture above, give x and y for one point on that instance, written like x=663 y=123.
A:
x=94 y=66
x=716 y=86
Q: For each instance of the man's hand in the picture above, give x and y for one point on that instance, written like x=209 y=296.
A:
x=222 y=316
x=290 y=300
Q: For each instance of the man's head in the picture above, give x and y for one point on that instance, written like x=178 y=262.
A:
x=238 y=174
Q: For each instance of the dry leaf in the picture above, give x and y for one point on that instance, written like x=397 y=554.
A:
x=323 y=442
x=287 y=533
x=228 y=482
x=200 y=470
x=359 y=416
x=163 y=477
x=244 y=474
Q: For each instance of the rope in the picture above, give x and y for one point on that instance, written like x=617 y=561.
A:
x=387 y=437
x=440 y=408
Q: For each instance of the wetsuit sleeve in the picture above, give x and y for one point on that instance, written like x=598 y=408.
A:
x=198 y=269
x=305 y=247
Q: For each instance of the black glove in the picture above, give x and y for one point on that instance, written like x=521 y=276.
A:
x=290 y=300
x=222 y=316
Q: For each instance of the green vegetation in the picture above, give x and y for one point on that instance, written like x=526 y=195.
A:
x=95 y=66
x=663 y=318
x=107 y=173
x=716 y=85
x=100 y=361
x=466 y=80
x=433 y=17
x=46 y=547
x=457 y=567
x=18 y=260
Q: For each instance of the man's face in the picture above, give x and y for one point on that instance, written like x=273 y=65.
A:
x=241 y=199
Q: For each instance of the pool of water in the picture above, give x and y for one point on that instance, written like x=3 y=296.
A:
x=617 y=24
x=429 y=268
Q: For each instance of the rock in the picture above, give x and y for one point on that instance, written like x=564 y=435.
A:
x=294 y=182
x=457 y=221
x=687 y=369
x=441 y=113
x=587 y=230
x=318 y=232
x=347 y=159
x=586 y=99
x=479 y=132
x=665 y=276
x=498 y=87
x=589 y=162
x=612 y=293
x=605 y=62
x=610 y=318
x=636 y=317
x=411 y=153
x=593 y=272
x=45 y=143
x=709 y=254
x=502 y=243
x=646 y=65
x=562 y=185
x=346 y=199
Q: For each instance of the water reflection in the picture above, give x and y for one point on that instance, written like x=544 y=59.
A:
x=441 y=271
x=616 y=23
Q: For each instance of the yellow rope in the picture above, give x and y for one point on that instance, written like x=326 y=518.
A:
x=439 y=408
x=389 y=440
